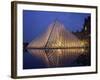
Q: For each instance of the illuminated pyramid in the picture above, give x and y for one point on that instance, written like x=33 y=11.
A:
x=57 y=45
x=56 y=36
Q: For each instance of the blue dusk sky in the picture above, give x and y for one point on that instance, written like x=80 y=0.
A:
x=36 y=22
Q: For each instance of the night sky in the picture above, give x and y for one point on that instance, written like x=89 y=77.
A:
x=36 y=22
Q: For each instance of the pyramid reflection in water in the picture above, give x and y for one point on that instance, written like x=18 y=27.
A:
x=57 y=46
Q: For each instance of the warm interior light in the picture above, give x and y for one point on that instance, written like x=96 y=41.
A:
x=59 y=43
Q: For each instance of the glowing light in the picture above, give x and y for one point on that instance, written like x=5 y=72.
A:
x=59 y=51
x=83 y=50
x=59 y=43
x=85 y=28
x=82 y=43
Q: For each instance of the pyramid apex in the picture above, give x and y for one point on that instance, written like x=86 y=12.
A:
x=57 y=20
